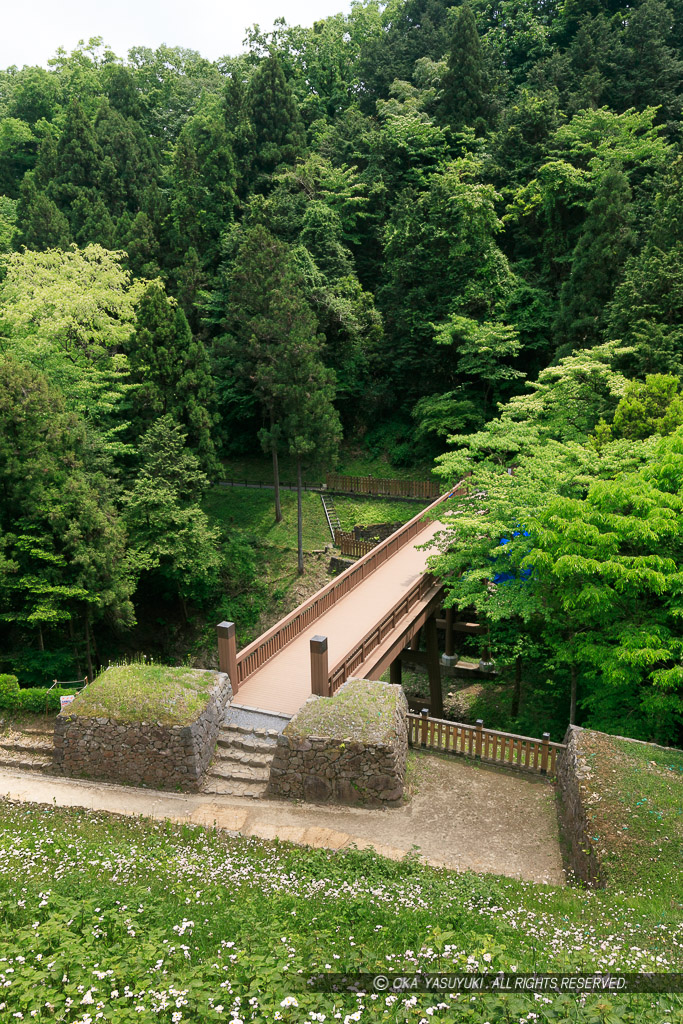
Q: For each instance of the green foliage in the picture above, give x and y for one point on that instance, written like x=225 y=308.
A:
x=69 y=314
x=169 y=534
x=9 y=692
x=61 y=540
x=652 y=407
x=171 y=369
x=278 y=135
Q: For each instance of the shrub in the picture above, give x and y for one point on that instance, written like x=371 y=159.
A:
x=34 y=699
x=9 y=692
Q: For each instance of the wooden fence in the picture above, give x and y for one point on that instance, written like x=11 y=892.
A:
x=348 y=544
x=383 y=488
x=505 y=748
x=278 y=636
x=379 y=632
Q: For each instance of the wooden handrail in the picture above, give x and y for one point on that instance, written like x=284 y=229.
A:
x=283 y=632
x=375 y=636
x=527 y=753
x=497 y=732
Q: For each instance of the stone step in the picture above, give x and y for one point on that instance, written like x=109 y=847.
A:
x=256 y=758
x=230 y=729
x=21 y=746
x=245 y=745
x=233 y=787
x=239 y=772
x=23 y=763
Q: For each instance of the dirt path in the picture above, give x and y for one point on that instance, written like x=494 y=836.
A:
x=460 y=816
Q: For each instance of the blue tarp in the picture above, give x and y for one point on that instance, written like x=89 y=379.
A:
x=507 y=577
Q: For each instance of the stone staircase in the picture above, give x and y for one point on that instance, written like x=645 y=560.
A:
x=241 y=764
x=27 y=747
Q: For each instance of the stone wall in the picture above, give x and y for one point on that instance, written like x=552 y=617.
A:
x=351 y=749
x=377 y=531
x=142 y=753
x=573 y=771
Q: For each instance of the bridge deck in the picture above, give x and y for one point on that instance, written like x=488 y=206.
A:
x=284 y=683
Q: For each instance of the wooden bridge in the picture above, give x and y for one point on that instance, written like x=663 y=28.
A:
x=356 y=626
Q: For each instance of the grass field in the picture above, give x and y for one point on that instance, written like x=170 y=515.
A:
x=252 y=510
x=124 y=920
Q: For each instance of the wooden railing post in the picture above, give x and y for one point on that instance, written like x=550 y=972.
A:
x=319 y=671
x=227 y=652
x=545 y=751
x=480 y=737
x=424 y=724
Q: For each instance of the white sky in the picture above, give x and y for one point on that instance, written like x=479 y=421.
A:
x=33 y=29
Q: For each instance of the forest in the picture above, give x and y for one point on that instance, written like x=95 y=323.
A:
x=449 y=232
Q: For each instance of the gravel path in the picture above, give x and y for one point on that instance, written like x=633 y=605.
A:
x=460 y=816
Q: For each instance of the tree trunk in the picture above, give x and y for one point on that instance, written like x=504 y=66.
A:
x=88 y=654
x=300 y=519
x=434 y=669
x=41 y=642
x=276 y=482
x=77 y=656
x=517 y=692
x=572 y=701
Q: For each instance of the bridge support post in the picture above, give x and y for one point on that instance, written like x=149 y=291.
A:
x=449 y=658
x=319 y=670
x=395 y=672
x=433 y=668
x=227 y=652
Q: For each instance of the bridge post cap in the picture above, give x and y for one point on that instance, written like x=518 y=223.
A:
x=226 y=629
x=480 y=721
x=319 y=643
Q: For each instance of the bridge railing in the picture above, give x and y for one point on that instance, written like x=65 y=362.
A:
x=524 y=752
x=345 y=669
x=278 y=636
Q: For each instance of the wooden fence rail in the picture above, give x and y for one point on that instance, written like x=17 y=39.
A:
x=350 y=545
x=278 y=636
x=523 y=752
x=383 y=488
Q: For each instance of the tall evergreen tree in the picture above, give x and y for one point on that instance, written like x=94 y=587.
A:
x=279 y=137
x=78 y=167
x=606 y=240
x=303 y=390
x=266 y=317
x=63 y=542
x=204 y=197
x=465 y=100
x=40 y=224
x=172 y=371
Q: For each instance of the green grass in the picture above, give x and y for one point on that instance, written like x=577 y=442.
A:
x=146 y=693
x=367 y=511
x=637 y=822
x=363 y=710
x=253 y=511
x=137 y=920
